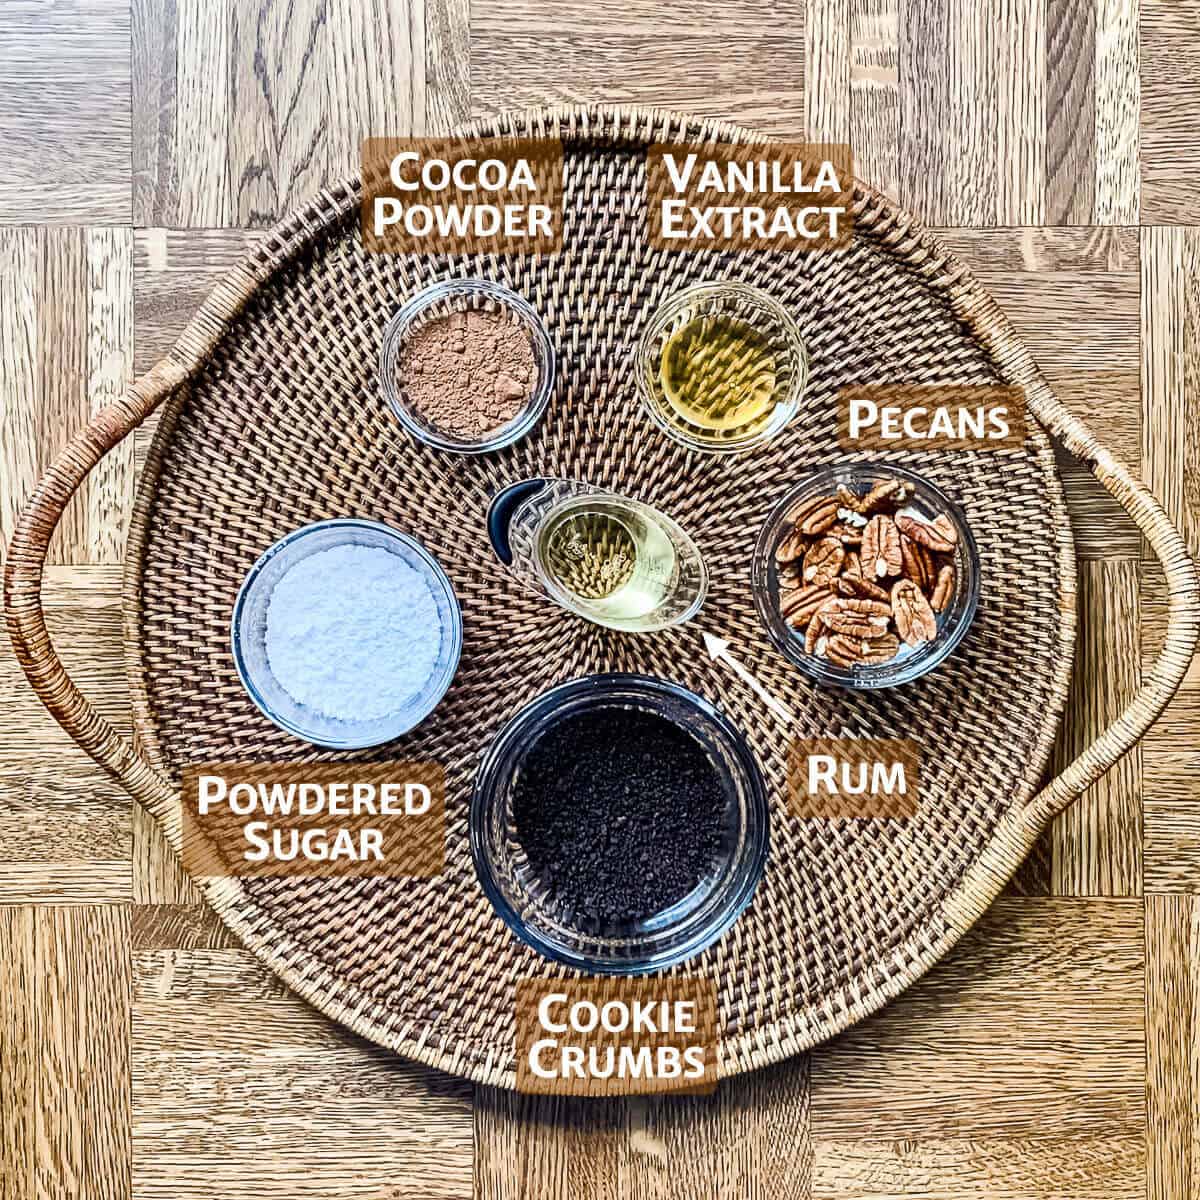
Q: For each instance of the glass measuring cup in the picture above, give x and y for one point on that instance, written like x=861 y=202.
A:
x=607 y=558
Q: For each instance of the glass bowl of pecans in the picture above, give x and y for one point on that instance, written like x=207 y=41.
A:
x=866 y=575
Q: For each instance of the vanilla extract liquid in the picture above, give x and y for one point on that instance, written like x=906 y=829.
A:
x=718 y=373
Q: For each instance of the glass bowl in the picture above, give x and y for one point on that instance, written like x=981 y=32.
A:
x=440 y=300
x=650 y=943
x=742 y=303
x=926 y=500
x=250 y=624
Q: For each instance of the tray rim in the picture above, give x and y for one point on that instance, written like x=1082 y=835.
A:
x=987 y=874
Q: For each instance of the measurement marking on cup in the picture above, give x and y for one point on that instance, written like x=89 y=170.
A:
x=718 y=651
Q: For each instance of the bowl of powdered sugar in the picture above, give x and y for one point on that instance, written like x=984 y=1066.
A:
x=346 y=633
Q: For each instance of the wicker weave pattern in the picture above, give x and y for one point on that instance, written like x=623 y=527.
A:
x=280 y=423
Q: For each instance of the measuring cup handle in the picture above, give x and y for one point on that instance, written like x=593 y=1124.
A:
x=500 y=513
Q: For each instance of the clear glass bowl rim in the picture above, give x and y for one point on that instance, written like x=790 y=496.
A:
x=389 y=352
x=785 y=410
x=868 y=677
x=745 y=873
x=455 y=632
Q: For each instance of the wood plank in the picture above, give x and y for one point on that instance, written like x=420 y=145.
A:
x=180 y=112
x=447 y=64
x=68 y=296
x=749 y=1138
x=61 y=400
x=65 y=138
x=827 y=70
x=278 y=143
x=1070 y=111
x=1172 y=1039
x=1118 y=109
x=1035 y=1168
x=766 y=18
x=197 y=133
x=1170 y=761
x=875 y=93
x=65 y=1029
x=924 y=108
x=65 y=826
x=389 y=97
x=242 y=1089
x=1031 y=1029
x=1170 y=107
x=19 y=1051
x=66 y=881
x=1021 y=149
x=1038 y=249
x=19 y=373
x=972 y=114
x=153 y=107
x=526 y=53
x=1097 y=842
x=109 y=370
x=1171 y=373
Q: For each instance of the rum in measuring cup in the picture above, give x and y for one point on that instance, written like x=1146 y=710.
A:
x=617 y=563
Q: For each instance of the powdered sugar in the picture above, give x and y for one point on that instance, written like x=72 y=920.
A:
x=353 y=632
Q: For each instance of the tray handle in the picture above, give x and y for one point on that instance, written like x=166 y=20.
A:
x=1160 y=682
x=23 y=572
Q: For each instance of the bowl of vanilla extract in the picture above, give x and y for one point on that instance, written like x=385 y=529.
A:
x=619 y=824
x=721 y=367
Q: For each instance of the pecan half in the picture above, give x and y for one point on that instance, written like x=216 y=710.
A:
x=943 y=589
x=849 y=499
x=797 y=607
x=938 y=534
x=844 y=651
x=886 y=491
x=814 y=515
x=823 y=561
x=812 y=635
x=881 y=548
x=847 y=534
x=918 y=564
x=915 y=621
x=856 y=585
x=855 y=615
x=791 y=548
x=880 y=649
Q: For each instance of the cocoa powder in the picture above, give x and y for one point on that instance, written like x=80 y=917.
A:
x=468 y=373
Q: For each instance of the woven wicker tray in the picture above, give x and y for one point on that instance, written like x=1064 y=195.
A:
x=272 y=419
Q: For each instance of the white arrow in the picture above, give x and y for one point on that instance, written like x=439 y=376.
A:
x=718 y=650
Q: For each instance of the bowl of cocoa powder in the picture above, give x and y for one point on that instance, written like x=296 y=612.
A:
x=467 y=366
